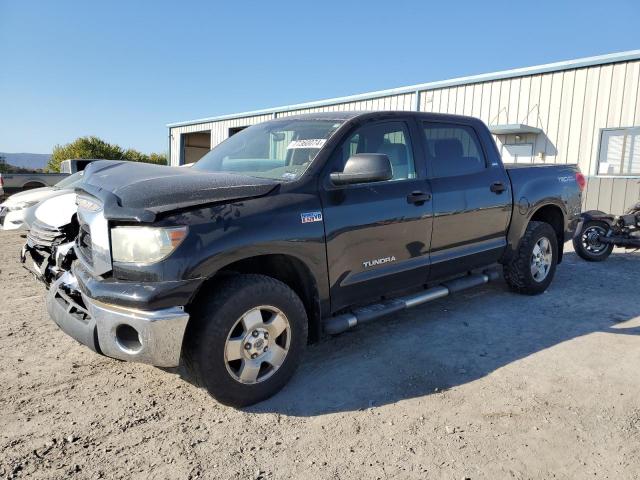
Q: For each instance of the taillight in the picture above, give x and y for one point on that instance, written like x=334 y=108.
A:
x=581 y=181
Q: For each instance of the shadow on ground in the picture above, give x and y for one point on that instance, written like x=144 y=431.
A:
x=460 y=339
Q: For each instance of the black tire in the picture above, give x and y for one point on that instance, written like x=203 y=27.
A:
x=212 y=320
x=517 y=273
x=588 y=251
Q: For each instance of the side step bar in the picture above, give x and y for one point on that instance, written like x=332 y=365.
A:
x=342 y=323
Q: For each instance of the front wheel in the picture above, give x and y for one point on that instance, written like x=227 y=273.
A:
x=532 y=268
x=246 y=340
x=587 y=242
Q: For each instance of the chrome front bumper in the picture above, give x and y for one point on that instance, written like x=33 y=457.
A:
x=153 y=337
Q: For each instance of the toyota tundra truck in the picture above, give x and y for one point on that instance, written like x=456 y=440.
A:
x=298 y=227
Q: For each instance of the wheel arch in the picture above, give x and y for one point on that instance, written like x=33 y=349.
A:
x=288 y=269
x=28 y=185
x=554 y=216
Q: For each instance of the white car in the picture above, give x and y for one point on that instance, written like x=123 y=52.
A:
x=56 y=212
x=18 y=208
x=50 y=237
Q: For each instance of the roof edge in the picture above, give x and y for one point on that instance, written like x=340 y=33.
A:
x=484 y=77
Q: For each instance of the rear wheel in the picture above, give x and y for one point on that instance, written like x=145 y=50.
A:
x=587 y=242
x=246 y=340
x=532 y=269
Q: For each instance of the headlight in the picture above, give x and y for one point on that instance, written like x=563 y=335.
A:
x=145 y=244
x=21 y=206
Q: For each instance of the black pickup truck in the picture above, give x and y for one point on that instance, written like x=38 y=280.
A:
x=297 y=226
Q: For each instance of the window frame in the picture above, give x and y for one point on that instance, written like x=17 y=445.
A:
x=415 y=150
x=599 y=156
x=429 y=159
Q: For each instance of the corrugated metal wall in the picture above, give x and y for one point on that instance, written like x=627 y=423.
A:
x=614 y=195
x=404 y=101
x=571 y=107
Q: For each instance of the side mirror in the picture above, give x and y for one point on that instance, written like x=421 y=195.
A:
x=364 y=168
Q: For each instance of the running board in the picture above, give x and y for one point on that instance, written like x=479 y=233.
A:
x=342 y=323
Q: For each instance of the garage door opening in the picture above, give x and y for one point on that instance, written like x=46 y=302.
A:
x=234 y=130
x=195 y=146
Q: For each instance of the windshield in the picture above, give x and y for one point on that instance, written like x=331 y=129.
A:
x=70 y=181
x=278 y=149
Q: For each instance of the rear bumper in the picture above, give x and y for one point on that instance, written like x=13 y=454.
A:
x=153 y=337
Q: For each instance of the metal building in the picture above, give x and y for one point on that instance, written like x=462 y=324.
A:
x=584 y=111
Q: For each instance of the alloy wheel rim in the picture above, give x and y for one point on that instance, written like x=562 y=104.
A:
x=590 y=239
x=541 y=258
x=257 y=344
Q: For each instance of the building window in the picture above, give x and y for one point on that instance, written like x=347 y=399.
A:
x=619 y=152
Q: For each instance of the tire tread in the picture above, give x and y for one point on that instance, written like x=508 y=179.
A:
x=517 y=272
x=204 y=319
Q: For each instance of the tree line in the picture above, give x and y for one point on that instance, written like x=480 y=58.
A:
x=94 y=147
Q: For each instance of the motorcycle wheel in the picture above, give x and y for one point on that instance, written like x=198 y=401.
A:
x=587 y=245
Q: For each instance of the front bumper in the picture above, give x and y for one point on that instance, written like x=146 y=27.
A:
x=153 y=337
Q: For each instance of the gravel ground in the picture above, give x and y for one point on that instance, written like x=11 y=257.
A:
x=486 y=384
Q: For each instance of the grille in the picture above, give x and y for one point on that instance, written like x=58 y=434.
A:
x=84 y=244
x=43 y=235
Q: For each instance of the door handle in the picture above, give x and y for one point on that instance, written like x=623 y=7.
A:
x=418 y=197
x=497 y=187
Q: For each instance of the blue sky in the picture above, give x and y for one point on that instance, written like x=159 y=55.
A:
x=123 y=69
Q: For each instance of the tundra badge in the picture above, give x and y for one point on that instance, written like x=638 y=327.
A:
x=378 y=261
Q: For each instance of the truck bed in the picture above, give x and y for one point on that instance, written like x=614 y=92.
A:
x=11 y=183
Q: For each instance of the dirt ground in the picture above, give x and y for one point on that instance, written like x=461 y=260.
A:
x=486 y=384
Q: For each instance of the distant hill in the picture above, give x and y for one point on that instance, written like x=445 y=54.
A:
x=32 y=161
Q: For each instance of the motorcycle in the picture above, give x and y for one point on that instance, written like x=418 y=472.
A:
x=598 y=233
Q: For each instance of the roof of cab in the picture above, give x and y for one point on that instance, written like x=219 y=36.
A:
x=377 y=114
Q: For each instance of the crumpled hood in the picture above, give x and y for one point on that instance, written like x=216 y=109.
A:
x=157 y=188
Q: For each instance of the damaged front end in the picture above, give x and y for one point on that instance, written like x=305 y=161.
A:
x=83 y=296
x=153 y=337
x=49 y=251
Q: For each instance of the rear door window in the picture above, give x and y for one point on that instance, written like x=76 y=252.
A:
x=453 y=149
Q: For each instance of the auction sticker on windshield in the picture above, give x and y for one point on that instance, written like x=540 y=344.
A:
x=308 y=143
